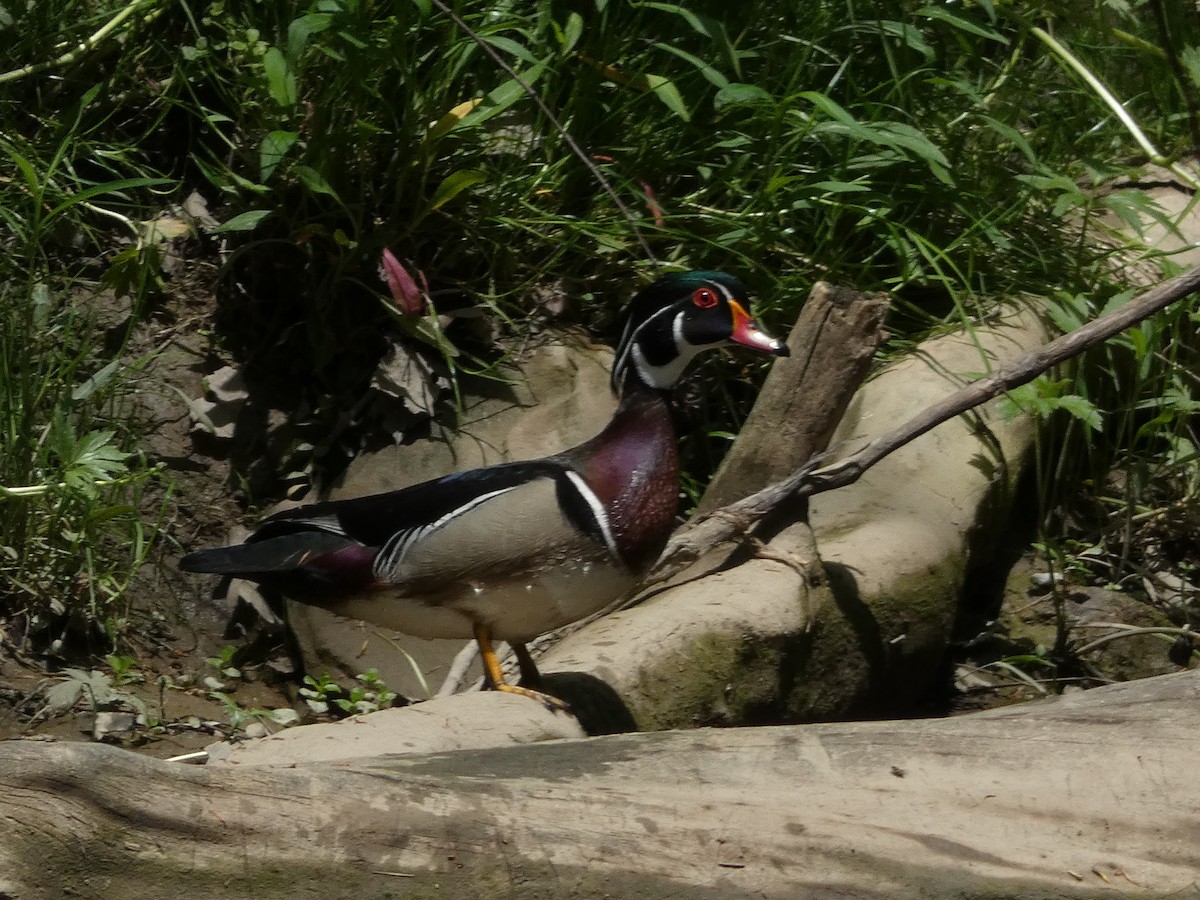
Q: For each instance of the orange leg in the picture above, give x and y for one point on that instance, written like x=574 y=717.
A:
x=491 y=666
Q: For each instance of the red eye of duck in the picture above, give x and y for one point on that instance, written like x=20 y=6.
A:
x=705 y=298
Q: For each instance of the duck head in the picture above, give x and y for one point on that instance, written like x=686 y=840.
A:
x=677 y=317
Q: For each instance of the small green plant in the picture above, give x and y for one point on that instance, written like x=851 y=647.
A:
x=223 y=662
x=239 y=716
x=123 y=671
x=320 y=692
x=325 y=696
x=369 y=695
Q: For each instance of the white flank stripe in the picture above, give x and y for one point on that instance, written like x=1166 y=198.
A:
x=393 y=552
x=598 y=511
x=466 y=507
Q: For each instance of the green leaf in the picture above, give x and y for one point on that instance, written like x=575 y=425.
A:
x=314 y=181
x=666 y=91
x=572 y=32
x=937 y=12
x=1082 y=409
x=109 y=187
x=1015 y=137
x=246 y=221
x=454 y=184
x=502 y=97
x=281 y=82
x=737 y=94
x=911 y=37
x=508 y=45
x=32 y=180
x=698 y=24
x=97 y=381
x=702 y=66
x=301 y=30
x=272 y=150
x=1190 y=57
x=829 y=107
x=839 y=187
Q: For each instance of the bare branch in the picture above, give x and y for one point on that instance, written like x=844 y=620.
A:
x=733 y=521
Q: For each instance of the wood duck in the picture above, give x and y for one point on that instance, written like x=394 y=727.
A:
x=514 y=550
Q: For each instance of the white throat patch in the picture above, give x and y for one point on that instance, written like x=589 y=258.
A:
x=666 y=376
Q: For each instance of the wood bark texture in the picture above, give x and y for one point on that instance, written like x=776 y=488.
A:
x=805 y=395
x=1082 y=796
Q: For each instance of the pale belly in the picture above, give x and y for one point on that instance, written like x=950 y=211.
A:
x=516 y=608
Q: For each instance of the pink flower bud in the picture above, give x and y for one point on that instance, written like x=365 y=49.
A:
x=405 y=294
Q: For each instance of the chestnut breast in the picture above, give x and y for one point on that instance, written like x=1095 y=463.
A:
x=633 y=468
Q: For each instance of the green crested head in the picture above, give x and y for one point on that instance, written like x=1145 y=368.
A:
x=676 y=317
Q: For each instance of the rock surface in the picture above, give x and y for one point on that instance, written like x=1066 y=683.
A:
x=465 y=722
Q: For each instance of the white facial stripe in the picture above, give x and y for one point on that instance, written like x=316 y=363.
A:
x=630 y=344
x=724 y=290
x=598 y=511
x=677 y=332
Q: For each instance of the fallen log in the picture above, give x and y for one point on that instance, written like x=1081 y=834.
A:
x=1070 y=797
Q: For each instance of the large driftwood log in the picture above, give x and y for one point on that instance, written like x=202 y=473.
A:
x=1074 y=797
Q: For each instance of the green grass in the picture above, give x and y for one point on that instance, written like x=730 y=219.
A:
x=929 y=150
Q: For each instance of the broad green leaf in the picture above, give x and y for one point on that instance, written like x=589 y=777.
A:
x=737 y=94
x=1015 y=137
x=510 y=91
x=1190 y=57
x=902 y=31
x=32 y=180
x=702 y=66
x=828 y=106
x=572 y=32
x=454 y=184
x=246 y=221
x=839 y=187
x=666 y=91
x=1082 y=409
x=281 y=81
x=273 y=149
x=696 y=22
x=504 y=96
x=301 y=30
x=314 y=181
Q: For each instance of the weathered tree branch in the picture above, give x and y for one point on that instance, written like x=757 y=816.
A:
x=733 y=521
